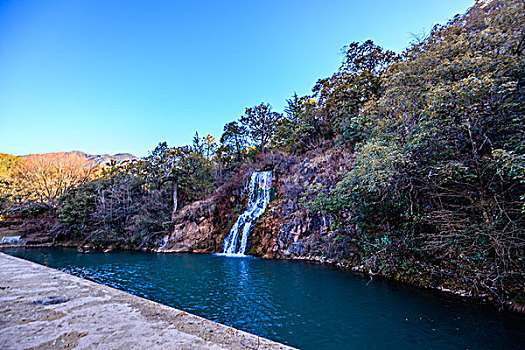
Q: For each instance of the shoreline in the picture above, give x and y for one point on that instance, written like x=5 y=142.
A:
x=482 y=299
x=45 y=308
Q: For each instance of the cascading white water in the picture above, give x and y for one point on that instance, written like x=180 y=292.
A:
x=259 y=197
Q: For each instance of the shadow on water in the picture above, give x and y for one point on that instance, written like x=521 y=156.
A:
x=306 y=305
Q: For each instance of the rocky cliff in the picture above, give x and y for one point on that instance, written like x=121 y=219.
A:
x=290 y=230
x=286 y=230
x=203 y=225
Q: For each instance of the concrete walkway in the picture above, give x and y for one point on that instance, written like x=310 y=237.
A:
x=42 y=308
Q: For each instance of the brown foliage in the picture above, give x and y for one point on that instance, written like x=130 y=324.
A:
x=43 y=178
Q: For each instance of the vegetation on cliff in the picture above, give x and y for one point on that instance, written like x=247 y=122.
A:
x=438 y=176
x=426 y=158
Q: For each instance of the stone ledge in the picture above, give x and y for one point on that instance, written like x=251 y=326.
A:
x=43 y=308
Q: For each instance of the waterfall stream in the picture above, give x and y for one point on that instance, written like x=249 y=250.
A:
x=259 y=197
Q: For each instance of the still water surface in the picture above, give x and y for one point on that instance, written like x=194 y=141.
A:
x=305 y=305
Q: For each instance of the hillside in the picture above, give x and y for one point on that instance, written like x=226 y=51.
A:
x=103 y=159
x=408 y=165
x=7 y=162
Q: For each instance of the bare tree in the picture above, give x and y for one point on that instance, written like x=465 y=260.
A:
x=43 y=178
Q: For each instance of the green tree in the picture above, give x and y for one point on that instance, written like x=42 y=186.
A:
x=209 y=145
x=261 y=123
x=185 y=168
x=234 y=140
x=438 y=169
x=301 y=127
x=130 y=204
x=358 y=80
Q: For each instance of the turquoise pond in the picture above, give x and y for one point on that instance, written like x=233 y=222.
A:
x=306 y=305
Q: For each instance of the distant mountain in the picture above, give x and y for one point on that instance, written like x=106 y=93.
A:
x=104 y=159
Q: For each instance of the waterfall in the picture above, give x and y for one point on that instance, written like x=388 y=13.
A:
x=259 y=197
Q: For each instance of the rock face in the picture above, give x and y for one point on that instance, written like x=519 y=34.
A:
x=286 y=229
x=203 y=225
x=33 y=230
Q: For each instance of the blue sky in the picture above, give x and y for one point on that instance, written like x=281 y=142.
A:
x=104 y=76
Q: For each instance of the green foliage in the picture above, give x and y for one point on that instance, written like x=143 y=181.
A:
x=359 y=80
x=261 y=123
x=301 y=127
x=77 y=209
x=511 y=166
x=129 y=204
x=187 y=166
x=195 y=175
x=8 y=162
x=439 y=162
x=234 y=140
x=102 y=211
x=437 y=185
